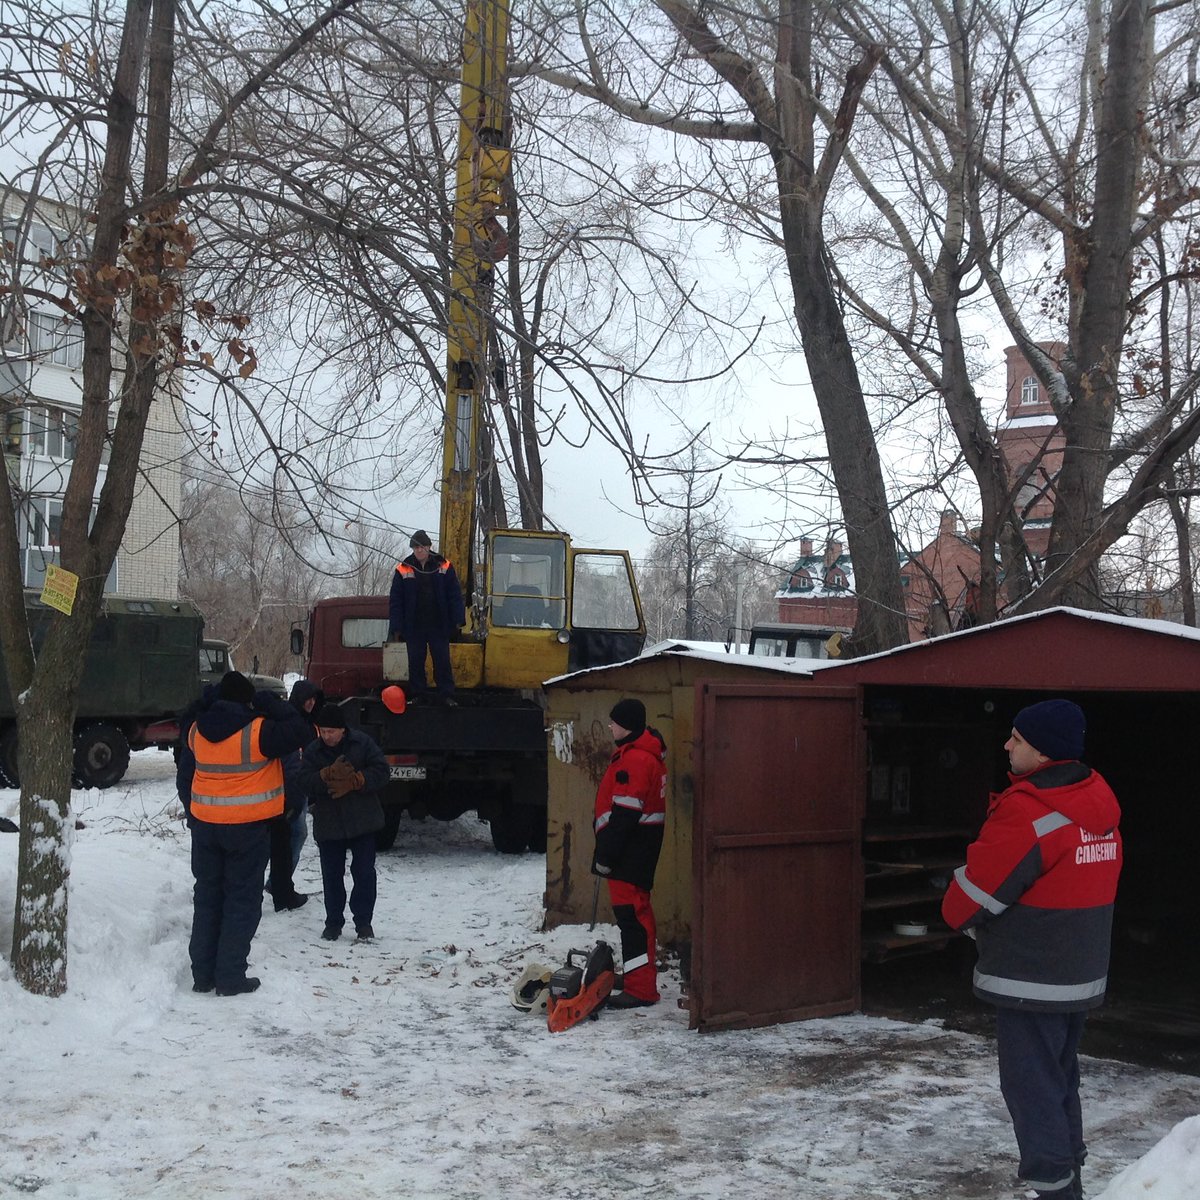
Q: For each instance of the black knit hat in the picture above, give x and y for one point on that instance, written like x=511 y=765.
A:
x=1054 y=728
x=329 y=716
x=420 y=538
x=236 y=687
x=629 y=714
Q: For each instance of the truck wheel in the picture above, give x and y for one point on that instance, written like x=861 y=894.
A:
x=512 y=826
x=8 y=758
x=385 y=839
x=101 y=756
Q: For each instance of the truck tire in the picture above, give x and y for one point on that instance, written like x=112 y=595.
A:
x=385 y=839
x=512 y=826
x=101 y=756
x=8 y=758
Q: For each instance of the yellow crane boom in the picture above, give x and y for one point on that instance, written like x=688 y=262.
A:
x=480 y=242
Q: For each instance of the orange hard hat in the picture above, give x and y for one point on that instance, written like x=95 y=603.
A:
x=394 y=699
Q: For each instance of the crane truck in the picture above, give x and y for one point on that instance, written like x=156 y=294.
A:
x=537 y=605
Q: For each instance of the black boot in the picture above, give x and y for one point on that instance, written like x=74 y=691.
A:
x=294 y=901
x=240 y=988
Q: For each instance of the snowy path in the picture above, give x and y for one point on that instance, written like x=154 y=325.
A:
x=400 y=1070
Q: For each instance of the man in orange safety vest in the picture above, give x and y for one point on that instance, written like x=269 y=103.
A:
x=230 y=780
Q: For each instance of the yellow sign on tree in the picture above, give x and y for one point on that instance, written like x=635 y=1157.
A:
x=60 y=588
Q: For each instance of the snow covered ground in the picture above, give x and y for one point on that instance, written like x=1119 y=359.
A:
x=400 y=1070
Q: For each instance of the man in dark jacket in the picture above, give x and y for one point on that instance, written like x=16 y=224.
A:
x=1037 y=896
x=342 y=773
x=425 y=610
x=289 y=831
x=629 y=824
x=230 y=780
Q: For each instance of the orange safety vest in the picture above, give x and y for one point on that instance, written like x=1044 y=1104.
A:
x=234 y=783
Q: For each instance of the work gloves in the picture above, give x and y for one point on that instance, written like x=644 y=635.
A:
x=341 y=778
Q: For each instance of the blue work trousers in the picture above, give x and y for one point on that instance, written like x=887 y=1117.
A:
x=438 y=647
x=228 y=862
x=1038 y=1054
x=362 y=872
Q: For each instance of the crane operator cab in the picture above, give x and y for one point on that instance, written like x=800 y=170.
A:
x=552 y=609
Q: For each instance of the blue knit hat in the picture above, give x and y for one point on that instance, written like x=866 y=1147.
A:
x=1054 y=728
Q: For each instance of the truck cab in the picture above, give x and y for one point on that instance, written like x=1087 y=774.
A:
x=780 y=639
x=216 y=659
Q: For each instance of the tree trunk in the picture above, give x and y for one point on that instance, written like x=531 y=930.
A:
x=45 y=720
x=853 y=452
x=1102 y=257
x=1183 y=546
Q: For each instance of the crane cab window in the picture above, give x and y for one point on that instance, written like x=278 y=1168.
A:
x=527 y=583
x=602 y=593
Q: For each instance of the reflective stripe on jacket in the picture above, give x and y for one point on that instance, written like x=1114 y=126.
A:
x=235 y=783
x=630 y=812
x=1037 y=890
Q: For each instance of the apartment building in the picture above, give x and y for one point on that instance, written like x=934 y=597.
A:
x=41 y=359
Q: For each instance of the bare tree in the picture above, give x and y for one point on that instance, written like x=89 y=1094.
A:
x=1071 y=210
x=70 y=76
x=332 y=221
x=251 y=581
x=747 y=85
x=699 y=574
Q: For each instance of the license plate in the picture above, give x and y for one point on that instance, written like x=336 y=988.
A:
x=408 y=772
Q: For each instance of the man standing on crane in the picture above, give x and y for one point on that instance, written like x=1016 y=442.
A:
x=425 y=610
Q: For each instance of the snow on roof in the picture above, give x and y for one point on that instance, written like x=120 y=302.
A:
x=1170 y=628
x=711 y=652
x=806 y=666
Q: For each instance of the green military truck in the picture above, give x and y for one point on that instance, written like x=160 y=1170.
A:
x=140 y=677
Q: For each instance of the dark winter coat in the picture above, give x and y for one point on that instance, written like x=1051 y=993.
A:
x=631 y=811
x=1038 y=888
x=294 y=795
x=283 y=731
x=449 y=613
x=358 y=812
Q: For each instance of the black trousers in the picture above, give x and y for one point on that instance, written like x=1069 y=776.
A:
x=438 y=646
x=333 y=878
x=1039 y=1078
x=282 y=887
x=228 y=862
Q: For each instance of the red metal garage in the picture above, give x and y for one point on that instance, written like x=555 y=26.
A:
x=831 y=809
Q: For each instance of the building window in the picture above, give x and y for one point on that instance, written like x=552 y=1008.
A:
x=836 y=579
x=53 y=432
x=1030 y=393
x=55 y=341
x=801 y=581
x=45 y=522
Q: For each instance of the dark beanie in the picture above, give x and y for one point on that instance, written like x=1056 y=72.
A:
x=630 y=714
x=420 y=538
x=236 y=687
x=1054 y=728
x=329 y=716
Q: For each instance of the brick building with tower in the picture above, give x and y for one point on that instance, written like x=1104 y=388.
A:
x=940 y=579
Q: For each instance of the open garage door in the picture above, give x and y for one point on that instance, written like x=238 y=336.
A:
x=778 y=863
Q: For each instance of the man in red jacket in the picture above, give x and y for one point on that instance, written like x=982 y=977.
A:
x=630 y=817
x=1037 y=896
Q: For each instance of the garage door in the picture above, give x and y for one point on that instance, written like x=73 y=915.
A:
x=778 y=866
